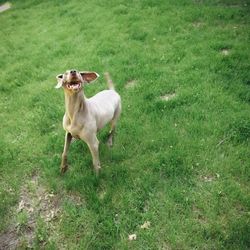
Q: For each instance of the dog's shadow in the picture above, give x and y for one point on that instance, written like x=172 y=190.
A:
x=81 y=178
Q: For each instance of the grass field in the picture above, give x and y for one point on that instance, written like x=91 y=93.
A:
x=181 y=164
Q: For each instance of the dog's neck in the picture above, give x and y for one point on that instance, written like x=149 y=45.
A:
x=74 y=102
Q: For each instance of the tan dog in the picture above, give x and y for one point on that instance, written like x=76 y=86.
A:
x=84 y=117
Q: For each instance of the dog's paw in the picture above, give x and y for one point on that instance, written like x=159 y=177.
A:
x=109 y=143
x=97 y=169
x=64 y=168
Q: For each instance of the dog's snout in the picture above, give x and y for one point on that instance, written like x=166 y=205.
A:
x=72 y=71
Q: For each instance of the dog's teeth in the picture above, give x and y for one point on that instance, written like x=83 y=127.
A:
x=74 y=86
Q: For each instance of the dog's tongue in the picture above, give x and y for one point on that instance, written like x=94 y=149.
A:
x=76 y=86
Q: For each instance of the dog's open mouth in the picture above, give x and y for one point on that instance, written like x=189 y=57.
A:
x=74 y=85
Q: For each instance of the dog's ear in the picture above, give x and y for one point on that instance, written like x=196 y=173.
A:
x=89 y=76
x=59 y=79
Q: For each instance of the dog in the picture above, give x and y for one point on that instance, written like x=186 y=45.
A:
x=84 y=117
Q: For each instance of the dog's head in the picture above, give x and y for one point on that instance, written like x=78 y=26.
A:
x=73 y=81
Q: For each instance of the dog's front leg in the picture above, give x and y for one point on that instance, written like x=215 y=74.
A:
x=93 y=145
x=64 y=164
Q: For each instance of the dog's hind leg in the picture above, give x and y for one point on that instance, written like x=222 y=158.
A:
x=113 y=125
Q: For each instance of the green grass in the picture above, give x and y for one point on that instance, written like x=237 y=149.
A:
x=183 y=165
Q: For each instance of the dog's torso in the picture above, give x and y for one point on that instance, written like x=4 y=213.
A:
x=91 y=114
x=103 y=106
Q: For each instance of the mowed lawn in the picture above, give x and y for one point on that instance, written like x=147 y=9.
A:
x=180 y=162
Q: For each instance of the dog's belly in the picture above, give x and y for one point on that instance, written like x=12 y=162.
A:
x=102 y=121
x=103 y=106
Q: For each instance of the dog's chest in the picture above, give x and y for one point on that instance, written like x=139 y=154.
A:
x=73 y=126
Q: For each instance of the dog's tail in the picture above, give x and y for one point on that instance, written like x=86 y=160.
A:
x=109 y=81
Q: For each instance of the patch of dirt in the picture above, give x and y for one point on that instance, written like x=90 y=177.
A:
x=168 y=97
x=75 y=198
x=199 y=215
x=9 y=240
x=5 y=7
x=210 y=178
x=166 y=246
x=131 y=84
x=35 y=202
x=197 y=24
x=234 y=5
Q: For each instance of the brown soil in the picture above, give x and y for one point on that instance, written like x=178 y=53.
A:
x=130 y=84
x=36 y=202
x=168 y=97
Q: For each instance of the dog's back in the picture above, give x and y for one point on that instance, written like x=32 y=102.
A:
x=107 y=104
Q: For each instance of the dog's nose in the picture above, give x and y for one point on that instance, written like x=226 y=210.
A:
x=73 y=71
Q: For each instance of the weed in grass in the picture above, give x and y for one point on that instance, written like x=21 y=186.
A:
x=22 y=219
